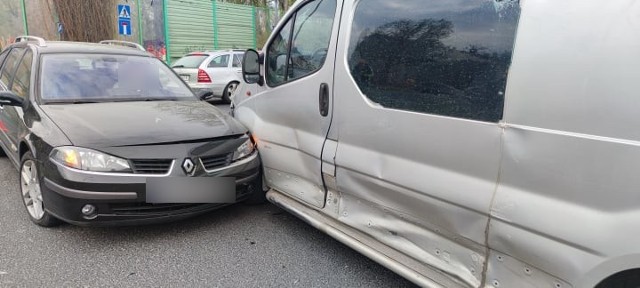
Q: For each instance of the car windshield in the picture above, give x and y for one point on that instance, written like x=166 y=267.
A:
x=100 y=77
x=190 y=61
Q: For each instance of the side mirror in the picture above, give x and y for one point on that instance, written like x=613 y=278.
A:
x=10 y=99
x=251 y=67
x=204 y=95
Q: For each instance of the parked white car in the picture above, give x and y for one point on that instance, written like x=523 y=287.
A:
x=218 y=72
x=461 y=143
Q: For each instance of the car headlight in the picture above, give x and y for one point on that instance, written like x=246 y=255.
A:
x=89 y=160
x=244 y=150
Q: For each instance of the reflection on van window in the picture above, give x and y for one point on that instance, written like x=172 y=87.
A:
x=306 y=50
x=440 y=57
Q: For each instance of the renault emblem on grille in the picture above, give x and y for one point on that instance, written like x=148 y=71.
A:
x=188 y=166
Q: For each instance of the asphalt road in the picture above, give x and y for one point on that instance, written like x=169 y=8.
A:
x=238 y=246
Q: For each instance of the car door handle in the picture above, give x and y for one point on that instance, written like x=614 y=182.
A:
x=324 y=99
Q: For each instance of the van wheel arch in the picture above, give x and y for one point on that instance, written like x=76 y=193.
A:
x=623 y=279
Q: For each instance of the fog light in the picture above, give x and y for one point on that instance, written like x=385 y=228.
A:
x=88 y=210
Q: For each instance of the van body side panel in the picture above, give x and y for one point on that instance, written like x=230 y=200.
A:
x=420 y=184
x=568 y=200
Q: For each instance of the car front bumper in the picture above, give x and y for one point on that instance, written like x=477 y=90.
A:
x=119 y=199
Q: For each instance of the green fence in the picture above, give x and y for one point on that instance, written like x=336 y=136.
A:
x=167 y=28
x=200 y=25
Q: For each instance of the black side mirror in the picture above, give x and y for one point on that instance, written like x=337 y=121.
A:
x=251 y=67
x=204 y=95
x=10 y=99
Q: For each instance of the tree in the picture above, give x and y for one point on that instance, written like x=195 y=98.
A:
x=87 y=21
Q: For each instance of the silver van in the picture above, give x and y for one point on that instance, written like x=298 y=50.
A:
x=460 y=143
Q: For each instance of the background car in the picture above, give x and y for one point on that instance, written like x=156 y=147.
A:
x=218 y=72
x=110 y=135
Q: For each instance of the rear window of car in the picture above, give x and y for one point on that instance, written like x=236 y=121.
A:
x=190 y=61
x=103 y=78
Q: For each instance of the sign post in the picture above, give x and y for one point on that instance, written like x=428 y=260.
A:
x=124 y=20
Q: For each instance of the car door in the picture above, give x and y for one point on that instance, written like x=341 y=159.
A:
x=8 y=126
x=235 y=72
x=217 y=69
x=21 y=86
x=284 y=115
x=419 y=98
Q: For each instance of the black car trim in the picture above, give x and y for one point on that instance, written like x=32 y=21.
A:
x=233 y=164
x=89 y=195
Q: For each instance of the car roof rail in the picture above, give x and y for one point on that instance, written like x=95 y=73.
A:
x=27 y=38
x=123 y=43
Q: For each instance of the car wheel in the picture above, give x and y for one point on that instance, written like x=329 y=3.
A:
x=31 y=193
x=258 y=194
x=228 y=91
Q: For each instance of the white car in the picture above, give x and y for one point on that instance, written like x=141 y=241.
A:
x=218 y=72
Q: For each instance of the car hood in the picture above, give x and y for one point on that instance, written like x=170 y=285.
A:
x=137 y=123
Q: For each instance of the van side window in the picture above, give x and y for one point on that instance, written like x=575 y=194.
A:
x=305 y=49
x=22 y=81
x=433 y=56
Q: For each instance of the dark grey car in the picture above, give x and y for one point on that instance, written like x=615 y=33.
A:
x=110 y=135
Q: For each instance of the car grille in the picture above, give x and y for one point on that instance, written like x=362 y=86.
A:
x=151 y=166
x=213 y=162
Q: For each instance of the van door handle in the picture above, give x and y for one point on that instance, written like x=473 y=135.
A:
x=324 y=99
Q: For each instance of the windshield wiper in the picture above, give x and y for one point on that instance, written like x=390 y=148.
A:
x=71 y=102
x=178 y=66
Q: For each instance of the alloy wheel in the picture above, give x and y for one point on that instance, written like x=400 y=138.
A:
x=30 y=186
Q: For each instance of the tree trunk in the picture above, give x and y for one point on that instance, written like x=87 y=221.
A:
x=85 y=21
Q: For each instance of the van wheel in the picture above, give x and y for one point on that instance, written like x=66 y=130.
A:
x=228 y=91
x=31 y=192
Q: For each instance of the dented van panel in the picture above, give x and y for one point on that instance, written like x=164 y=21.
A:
x=540 y=190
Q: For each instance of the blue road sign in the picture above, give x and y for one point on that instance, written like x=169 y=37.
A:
x=124 y=27
x=124 y=12
x=124 y=20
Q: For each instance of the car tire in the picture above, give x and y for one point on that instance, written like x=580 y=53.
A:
x=31 y=193
x=258 y=194
x=226 y=94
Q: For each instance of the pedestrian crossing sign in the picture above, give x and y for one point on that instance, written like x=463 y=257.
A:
x=124 y=12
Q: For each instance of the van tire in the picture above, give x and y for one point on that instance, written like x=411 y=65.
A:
x=624 y=279
x=226 y=94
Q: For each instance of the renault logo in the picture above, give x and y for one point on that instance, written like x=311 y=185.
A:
x=188 y=166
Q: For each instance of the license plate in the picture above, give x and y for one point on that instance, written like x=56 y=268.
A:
x=176 y=190
x=185 y=78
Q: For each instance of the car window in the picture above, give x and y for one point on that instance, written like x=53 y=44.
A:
x=308 y=43
x=434 y=57
x=190 y=61
x=9 y=65
x=101 y=77
x=221 y=61
x=22 y=80
x=237 y=60
x=3 y=56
